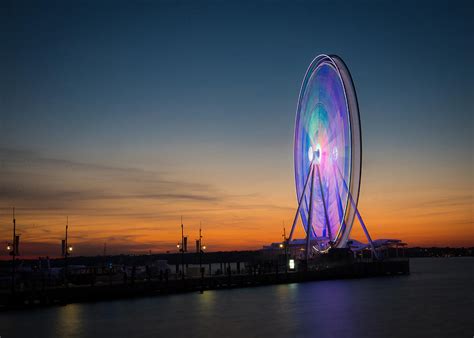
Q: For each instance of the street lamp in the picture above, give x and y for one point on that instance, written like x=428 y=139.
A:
x=69 y=249
x=201 y=250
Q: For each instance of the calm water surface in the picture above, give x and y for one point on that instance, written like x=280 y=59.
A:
x=436 y=300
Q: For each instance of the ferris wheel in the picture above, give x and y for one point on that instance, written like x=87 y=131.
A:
x=327 y=155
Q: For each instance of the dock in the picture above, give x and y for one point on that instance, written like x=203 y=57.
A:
x=61 y=295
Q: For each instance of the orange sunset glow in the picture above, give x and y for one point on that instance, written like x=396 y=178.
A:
x=137 y=210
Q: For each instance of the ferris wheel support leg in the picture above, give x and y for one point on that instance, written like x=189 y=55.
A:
x=339 y=204
x=359 y=216
x=310 y=218
x=361 y=221
x=328 y=226
x=300 y=202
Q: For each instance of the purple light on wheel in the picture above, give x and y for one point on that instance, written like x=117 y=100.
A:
x=327 y=138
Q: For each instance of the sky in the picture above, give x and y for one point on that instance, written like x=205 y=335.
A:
x=125 y=116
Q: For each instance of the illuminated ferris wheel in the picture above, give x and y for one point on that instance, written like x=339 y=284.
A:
x=327 y=155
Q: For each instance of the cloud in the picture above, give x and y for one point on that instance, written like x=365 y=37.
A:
x=129 y=208
x=28 y=178
x=36 y=183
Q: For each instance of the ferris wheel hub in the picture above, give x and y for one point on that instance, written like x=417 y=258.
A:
x=315 y=153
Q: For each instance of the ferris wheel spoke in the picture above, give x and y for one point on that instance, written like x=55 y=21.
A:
x=327 y=223
x=310 y=215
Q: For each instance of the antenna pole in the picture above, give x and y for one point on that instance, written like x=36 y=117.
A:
x=66 y=252
x=14 y=252
x=182 y=248
x=285 y=247
x=200 y=249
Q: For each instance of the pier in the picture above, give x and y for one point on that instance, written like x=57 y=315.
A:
x=176 y=283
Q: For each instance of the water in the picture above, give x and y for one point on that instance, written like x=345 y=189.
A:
x=436 y=300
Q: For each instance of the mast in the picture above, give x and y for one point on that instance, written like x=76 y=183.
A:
x=14 y=251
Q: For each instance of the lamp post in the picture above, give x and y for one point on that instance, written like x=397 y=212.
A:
x=284 y=245
x=203 y=249
x=201 y=271
x=13 y=251
x=200 y=250
x=182 y=248
x=65 y=255
x=67 y=250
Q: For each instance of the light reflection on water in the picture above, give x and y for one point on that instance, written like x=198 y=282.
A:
x=436 y=300
x=69 y=320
